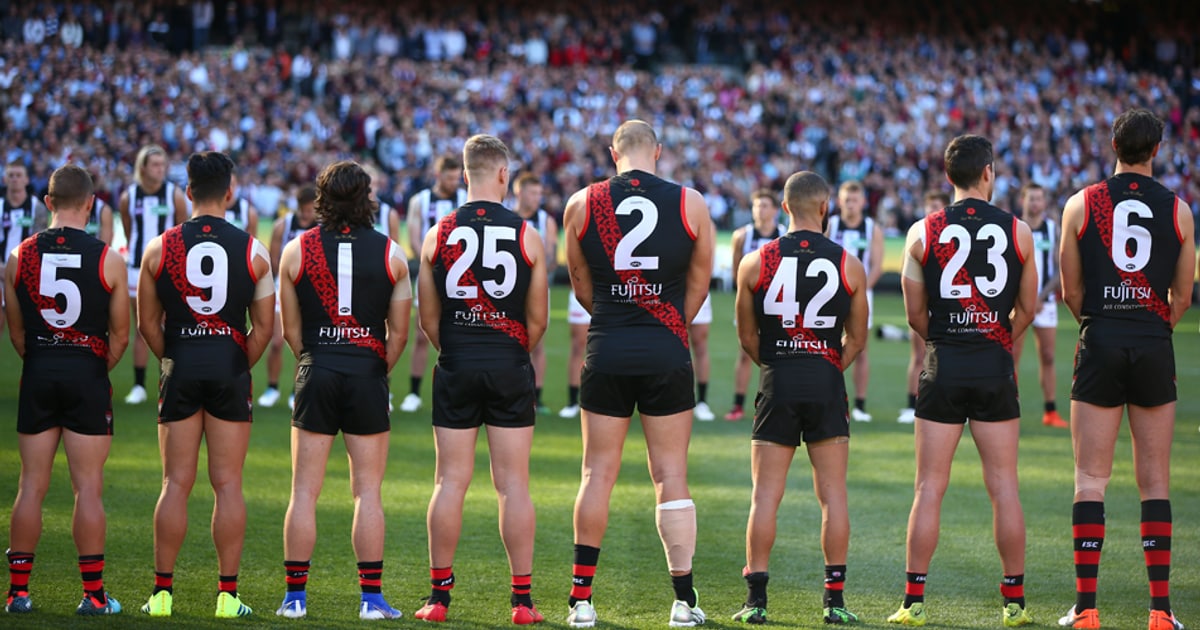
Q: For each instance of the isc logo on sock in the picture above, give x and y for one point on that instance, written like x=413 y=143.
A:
x=1090 y=544
x=1149 y=543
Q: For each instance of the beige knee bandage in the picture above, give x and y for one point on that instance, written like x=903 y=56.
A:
x=677 y=528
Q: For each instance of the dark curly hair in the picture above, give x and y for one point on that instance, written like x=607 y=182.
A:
x=344 y=197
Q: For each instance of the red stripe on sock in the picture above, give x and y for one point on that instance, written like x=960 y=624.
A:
x=1160 y=588
x=1087 y=530
x=163 y=582
x=1158 y=558
x=91 y=566
x=581 y=592
x=835 y=586
x=228 y=586
x=1087 y=557
x=1085 y=585
x=1012 y=592
x=441 y=574
x=522 y=580
x=370 y=582
x=916 y=589
x=93 y=585
x=1156 y=528
x=584 y=570
x=296 y=580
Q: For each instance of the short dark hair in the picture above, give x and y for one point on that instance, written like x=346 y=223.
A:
x=526 y=179
x=70 y=187
x=1031 y=187
x=765 y=193
x=344 y=196
x=938 y=195
x=209 y=175
x=306 y=194
x=1135 y=134
x=804 y=188
x=966 y=157
x=447 y=163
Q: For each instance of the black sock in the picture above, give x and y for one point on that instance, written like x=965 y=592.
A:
x=370 y=576
x=139 y=376
x=414 y=383
x=227 y=584
x=91 y=573
x=537 y=391
x=1013 y=589
x=739 y=400
x=274 y=386
x=683 y=589
x=756 y=589
x=582 y=573
x=835 y=581
x=701 y=392
x=572 y=395
x=860 y=403
x=914 y=588
x=442 y=580
x=296 y=575
x=912 y=401
x=1050 y=406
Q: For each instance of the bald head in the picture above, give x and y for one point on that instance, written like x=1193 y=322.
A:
x=804 y=194
x=634 y=136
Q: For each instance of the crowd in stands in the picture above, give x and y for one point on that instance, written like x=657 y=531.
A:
x=742 y=93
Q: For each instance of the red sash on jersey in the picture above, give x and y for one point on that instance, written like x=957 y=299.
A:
x=934 y=224
x=29 y=273
x=1099 y=205
x=174 y=262
x=317 y=269
x=610 y=235
x=480 y=303
x=770 y=258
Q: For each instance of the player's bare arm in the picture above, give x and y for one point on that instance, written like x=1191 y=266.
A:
x=12 y=309
x=574 y=221
x=400 y=306
x=262 y=309
x=289 y=304
x=429 y=301
x=276 y=247
x=394 y=226
x=854 y=333
x=413 y=227
x=700 y=270
x=747 y=322
x=149 y=308
x=551 y=246
x=1027 y=304
x=1179 y=296
x=126 y=217
x=737 y=244
x=106 y=224
x=877 y=256
x=118 y=306
x=1070 y=266
x=41 y=216
x=916 y=302
x=536 y=301
x=181 y=205
x=252 y=224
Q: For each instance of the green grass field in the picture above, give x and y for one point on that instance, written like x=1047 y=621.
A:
x=632 y=588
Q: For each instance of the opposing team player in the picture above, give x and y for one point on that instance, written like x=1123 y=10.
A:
x=640 y=253
x=966 y=269
x=528 y=189
x=578 y=319
x=21 y=215
x=764 y=228
x=701 y=361
x=1127 y=259
x=860 y=235
x=100 y=222
x=796 y=296
x=387 y=218
x=198 y=282
x=934 y=200
x=1045 y=323
x=149 y=207
x=483 y=307
x=242 y=214
x=286 y=229
x=424 y=210
x=68 y=311
x=346 y=303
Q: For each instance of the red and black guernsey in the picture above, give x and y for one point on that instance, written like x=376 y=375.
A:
x=64 y=300
x=968 y=311
x=482 y=275
x=205 y=282
x=638 y=247
x=814 y=296
x=344 y=289
x=1125 y=283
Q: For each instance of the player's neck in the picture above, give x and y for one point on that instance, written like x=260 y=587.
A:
x=490 y=194
x=1145 y=168
x=16 y=198
x=151 y=187
x=766 y=228
x=306 y=221
x=76 y=219
x=854 y=220
x=208 y=209
x=444 y=194
x=1035 y=221
x=632 y=163
x=526 y=213
x=963 y=194
x=804 y=224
